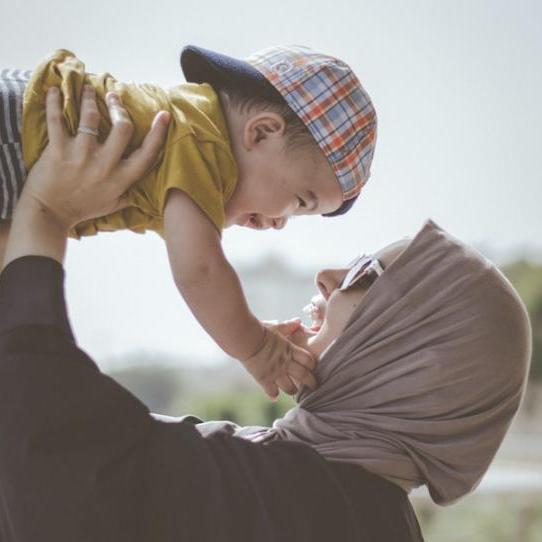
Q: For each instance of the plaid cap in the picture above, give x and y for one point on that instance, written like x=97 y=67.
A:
x=329 y=99
x=323 y=92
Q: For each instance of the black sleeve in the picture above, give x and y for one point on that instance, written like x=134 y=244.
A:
x=82 y=460
x=71 y=437
x=32 y=294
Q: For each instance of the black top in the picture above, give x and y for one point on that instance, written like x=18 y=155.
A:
x=82 y=459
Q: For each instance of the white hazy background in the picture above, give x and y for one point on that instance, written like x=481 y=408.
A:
x=457 y=86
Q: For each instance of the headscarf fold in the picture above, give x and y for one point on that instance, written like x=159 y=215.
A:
x=423 y=383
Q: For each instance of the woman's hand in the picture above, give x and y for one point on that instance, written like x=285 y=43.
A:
x=76 y=178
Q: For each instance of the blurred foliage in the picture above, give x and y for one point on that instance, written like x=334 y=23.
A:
x=248 y=408
x=527 y=279
x=483 y=518
x=156 y=386
x=171 y=391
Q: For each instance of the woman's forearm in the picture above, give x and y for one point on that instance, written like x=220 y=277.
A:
x=35 y=232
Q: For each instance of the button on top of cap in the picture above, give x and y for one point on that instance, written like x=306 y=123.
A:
x=282 y=67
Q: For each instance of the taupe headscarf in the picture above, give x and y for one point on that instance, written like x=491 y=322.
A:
x=424 y=381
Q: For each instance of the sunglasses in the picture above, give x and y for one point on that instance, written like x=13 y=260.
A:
x=358 y=269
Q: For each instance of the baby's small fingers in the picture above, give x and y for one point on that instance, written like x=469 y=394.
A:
x=293 y=320
x=270 y=323
x=271 y=390
x=288 y=327
x=302 y=375
x=286 y=384
x=303 y=357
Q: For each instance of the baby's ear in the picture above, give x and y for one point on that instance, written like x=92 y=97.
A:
x=262 y=126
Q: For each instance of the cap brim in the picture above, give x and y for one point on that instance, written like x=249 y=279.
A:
x=200 y=65
x=346 y=205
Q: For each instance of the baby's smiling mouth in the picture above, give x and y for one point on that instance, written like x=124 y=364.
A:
x=316 y=309
x=254 y=221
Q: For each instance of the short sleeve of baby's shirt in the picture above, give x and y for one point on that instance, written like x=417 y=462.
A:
x=202 y=170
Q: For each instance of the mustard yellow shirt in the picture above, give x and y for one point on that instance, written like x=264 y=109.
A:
x=197 y=157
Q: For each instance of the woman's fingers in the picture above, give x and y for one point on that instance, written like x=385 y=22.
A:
x=121 y=131
x=89 y=120
x=122 y=203
x=56 y=129
x=139 y=161
x=142 y=159
x=77 y=178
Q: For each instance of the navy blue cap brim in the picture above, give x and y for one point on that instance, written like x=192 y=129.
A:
x=346 y=205
x=200 y=65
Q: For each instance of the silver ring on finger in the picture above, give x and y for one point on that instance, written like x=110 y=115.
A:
x=88 y=130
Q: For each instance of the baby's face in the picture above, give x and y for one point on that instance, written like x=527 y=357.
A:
x=275 y=184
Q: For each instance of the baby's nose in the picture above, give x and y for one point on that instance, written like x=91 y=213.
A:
x=259 y=222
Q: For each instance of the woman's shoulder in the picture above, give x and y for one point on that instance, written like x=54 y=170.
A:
x=294 y=486
x=384 y=509
x=379 y=509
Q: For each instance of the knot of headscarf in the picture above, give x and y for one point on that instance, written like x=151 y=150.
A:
x=423 y=383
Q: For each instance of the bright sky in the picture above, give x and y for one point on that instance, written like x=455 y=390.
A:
x=457 y=88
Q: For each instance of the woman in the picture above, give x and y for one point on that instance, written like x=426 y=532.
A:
x=423 y=352
x=82 y=459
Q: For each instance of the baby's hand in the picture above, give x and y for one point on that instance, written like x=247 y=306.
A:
x=280 y=364
x=294 y=331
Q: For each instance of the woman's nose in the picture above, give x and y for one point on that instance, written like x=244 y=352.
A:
x=328 y=280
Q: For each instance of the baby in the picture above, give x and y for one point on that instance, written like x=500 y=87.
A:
x=250 y=143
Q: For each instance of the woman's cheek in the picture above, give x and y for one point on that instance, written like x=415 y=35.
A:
x=338 y=315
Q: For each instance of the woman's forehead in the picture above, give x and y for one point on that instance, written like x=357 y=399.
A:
x=390 y=252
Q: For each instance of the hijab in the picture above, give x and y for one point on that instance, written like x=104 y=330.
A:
x=423 y=383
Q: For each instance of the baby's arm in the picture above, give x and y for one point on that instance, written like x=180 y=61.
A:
x=212 y=290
